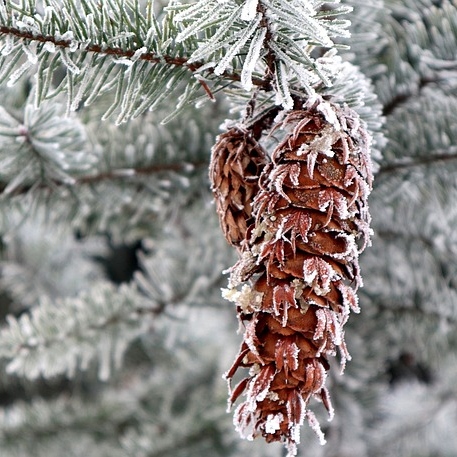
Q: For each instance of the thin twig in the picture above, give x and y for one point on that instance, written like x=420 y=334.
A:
x=417 y=162
x=108 y=176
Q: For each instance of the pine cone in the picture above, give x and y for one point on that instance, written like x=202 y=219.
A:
x=236 y=163
x=311 y=222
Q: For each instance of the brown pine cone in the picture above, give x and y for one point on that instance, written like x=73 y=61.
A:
x=311 y=222
x=236 y=163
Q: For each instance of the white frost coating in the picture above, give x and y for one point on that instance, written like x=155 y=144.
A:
x=203 y=68
x=295 y=351
x=123 y=61
x=291 y=449
x=49 y=46
x=305 y=76
x=329 y=113
x=328 y=324
x=238 y=271
x=138 y=53
x=193 y=10
x=302 y=150
x=254 y=370
x=337 y=333
x=250 y=336
x=252 y=58
x=71 y=66
x=67 y=36
x=244 y=425
x=323 y=143
x=295 y=433
x=273 y=423
x=217 y=41
x=233 y=51
x=90 y=26
x=314 y=424
x=249 y=10
x=352 y=251
x=27 y=24
x=332 y=201
x=8 y=45
x=273 y=396
x=309 y=276
x=30 y=52
x=261 y=395
x=18 y=73
x=331 y=410
x=320 y=325
x=283 y=96
x=350 y=298
x=196 y=26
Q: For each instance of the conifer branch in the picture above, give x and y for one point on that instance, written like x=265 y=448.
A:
x=112 y=175
x=38 y=343
x=417 y=162
x=395 y=234
x=96 y=48
x=421 y=422
x=401 y=99
x=128 y=54
x=405 y=310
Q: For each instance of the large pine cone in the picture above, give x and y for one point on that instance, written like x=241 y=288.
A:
x=236 y=163
x=311 y=222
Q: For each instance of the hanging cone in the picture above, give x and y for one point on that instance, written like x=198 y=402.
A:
x=236 y=163
x=311 y=222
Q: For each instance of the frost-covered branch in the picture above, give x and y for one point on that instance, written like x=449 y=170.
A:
x=78 y=165
x=186 y=416
x=112 y=175
x=43 y=146
x=410 y=418
x=123 y=54
x=125 y=50
x=120 y=48
x=403 y=98
x=67 y=335
x=265 y=37
x=418 y=161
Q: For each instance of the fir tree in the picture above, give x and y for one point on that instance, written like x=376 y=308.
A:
x=114 y=333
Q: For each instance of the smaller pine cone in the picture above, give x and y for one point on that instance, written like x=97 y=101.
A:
x=311 y=222
x=236 y=163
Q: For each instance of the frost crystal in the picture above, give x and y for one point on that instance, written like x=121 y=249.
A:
x=249 y=10
x=273 y=422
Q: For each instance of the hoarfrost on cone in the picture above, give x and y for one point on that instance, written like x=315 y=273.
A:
x=299 y=227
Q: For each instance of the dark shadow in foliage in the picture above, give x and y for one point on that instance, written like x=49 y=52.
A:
x=406 y=368
x=121 y=262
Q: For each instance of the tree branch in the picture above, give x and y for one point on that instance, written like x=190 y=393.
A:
x=108 y=176
x=390 y=235
x=401 y=99
x=404 y=309
x=127 y=54
x=419 y=161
